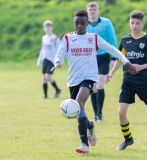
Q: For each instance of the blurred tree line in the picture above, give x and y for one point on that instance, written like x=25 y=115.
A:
x=21 y=22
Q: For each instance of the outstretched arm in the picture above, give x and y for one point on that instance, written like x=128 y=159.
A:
x=114 y=51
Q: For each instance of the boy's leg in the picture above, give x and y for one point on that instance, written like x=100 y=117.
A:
x=50 y=79
x=53 y=83
x=58 y=91
x=94 y=104
x=45 y=86
x=45 y=80
x=83 y=121
x=81 y=98
x=100 y=98
x=124 y=123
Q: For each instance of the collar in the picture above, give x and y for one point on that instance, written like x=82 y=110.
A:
x=95 y=23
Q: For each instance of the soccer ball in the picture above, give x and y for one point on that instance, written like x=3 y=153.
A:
x=70 y=108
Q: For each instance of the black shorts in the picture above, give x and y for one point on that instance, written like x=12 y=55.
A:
x=75 y=89
x=128 y=91
x=103 y=63
x=47 y=65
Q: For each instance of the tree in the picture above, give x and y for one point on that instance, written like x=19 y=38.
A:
x=110 y=2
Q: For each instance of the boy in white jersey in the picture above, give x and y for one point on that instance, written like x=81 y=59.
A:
x=50 y=43
x=80 y=48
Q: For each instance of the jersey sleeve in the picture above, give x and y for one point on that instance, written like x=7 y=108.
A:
x=40 y=57
x=111 y=36
x=111 y=49
x=122 y=50
x=59 y=57
x=57 y=42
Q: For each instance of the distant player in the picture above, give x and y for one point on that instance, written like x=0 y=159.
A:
x=50 y=43
x=80 y=49
x=104 y=28
x=134 y=47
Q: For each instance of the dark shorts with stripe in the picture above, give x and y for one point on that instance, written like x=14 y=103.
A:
x=47 y=65
x=103 y=63
x=75 y=89
x=128 y=91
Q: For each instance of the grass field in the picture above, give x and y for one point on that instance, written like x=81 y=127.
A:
x=33 y=129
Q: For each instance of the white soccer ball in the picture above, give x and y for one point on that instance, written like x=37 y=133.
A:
x=70 y=108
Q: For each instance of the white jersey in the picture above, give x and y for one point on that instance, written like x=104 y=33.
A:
x=80 y=51
x=50 y=44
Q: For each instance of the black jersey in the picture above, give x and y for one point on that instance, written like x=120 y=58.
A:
x=135 y=51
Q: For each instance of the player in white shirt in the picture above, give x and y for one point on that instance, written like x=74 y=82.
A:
x=80 y=49
x=50 y=43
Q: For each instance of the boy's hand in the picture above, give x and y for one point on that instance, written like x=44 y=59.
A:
x=107 y=78
x=137 y=67
x=57 y=65
x=130 y=68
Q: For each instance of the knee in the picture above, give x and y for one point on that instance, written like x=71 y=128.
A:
x=45 y=79
x=121 y=114
x=100 y=86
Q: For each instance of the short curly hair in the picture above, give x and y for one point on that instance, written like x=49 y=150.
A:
x=137 y=14
x=82 y=13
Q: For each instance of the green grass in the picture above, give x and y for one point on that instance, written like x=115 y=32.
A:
x=33 y=129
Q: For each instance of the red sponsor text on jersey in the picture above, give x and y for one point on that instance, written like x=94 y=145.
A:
x=77 y=50
x=81 y=51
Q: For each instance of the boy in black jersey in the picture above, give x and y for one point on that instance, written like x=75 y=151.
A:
x=134 y=47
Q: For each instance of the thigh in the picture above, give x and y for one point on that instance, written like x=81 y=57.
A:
x=101 y=81
x=141 y=91
x=127 y=94
x=103 y=63
x=74 y=91
x=84 y=92
x=123 y=107
x=82 y=96
x=87 y=84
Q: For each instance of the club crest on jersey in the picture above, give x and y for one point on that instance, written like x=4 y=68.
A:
x=141 y=45
x=101 y=28
x=90 y=41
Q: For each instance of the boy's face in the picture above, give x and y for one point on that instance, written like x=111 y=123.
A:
x=48 y=29
x=93 y=12
x=80 y=23
x=136 y=25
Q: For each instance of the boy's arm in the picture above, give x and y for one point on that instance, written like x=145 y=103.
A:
x=112 y=40
x=114 y=51
x=59 y=57
x=117 y=64
x=39 y=61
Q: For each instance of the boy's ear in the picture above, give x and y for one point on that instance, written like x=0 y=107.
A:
x=98 y=11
